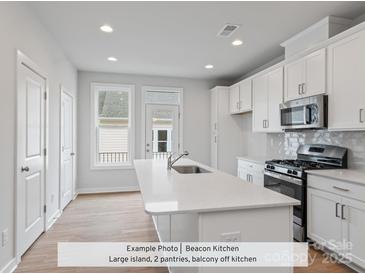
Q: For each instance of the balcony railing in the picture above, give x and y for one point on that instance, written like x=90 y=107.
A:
x=160 y=155
x=113 y=157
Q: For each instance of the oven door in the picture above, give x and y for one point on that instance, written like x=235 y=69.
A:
x=289 y=186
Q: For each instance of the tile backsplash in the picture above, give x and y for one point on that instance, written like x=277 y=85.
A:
x=284 y=145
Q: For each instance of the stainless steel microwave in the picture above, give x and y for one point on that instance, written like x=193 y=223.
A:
x=310 y=113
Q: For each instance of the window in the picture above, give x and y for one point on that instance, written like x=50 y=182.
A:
x=112 y=135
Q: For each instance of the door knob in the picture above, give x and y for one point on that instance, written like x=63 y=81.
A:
x=24 y=169
x=72 y=153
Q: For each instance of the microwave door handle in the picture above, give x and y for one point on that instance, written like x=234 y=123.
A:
x=304 y=115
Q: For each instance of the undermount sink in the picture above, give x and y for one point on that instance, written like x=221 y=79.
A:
x=190 y=169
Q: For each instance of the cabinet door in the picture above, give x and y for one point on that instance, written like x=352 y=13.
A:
x=258 y=178
x=346 y=100
x=234 y=99
x=324 y=219
x=315 y=73
x=353 y=226
x=294 y=78
x=275 y=98
x=242 y=173
x=245 y=96
x=260 y=107
x=214 y=129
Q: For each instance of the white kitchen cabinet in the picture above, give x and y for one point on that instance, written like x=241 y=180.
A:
x=240 y=97
x=336 y=218
x=324 y=221
x=346 y=83
x=306 y=77
x=251 y=172
x=267 y=90
x=245 y=95
x=234 y=99
x=226 y=132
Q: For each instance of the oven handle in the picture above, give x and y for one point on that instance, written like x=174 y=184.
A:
x=283 y=177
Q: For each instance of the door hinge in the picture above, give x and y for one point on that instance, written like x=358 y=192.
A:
x=45 y=152
x=45 y=96
x=45 y=209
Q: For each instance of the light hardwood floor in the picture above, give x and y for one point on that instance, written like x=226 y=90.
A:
x=116 y=218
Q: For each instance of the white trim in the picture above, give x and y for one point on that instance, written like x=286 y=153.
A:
x=10 y=266
x=143 y=117
x=52 y=219
x=23 y=60
x=132 y=129
x=94 y=190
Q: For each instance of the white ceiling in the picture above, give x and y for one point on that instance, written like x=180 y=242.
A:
x=179 y=38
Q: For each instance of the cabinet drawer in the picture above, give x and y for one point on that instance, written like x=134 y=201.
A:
x=250 y=166
x=342 y=188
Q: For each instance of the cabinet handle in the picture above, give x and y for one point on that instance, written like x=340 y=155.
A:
x=299 y=89
x=337 y=204
x=340 y=188
x=303 y=88
x=342 y=212
x=360 y=114
x=24 y=169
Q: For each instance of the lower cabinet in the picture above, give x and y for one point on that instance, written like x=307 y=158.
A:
x=337 y=222
x=251 y=172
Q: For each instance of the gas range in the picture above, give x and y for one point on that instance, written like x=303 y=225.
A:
x=294 y=168
x=310 y=157
x=288 y=177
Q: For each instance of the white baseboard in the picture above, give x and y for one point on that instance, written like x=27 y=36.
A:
x=107 y=189
x=53 y=219
x=9 y=267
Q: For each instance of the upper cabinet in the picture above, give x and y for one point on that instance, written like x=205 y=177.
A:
x=306 y=77
x=267 y=91
x=346 y=83
x=240 y=97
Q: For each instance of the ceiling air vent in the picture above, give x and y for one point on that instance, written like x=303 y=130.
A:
x=227 y=30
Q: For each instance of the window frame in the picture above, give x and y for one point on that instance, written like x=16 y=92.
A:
x=94 y=91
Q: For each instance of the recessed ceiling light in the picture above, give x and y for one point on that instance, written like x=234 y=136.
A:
x=209 y=66
x=237 y=43
x=106 y=28
x=112 y=59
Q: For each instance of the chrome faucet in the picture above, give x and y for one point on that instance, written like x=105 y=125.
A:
x=170 y=162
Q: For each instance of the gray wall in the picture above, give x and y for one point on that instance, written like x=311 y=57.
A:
x=196 y=125
x=20 y=29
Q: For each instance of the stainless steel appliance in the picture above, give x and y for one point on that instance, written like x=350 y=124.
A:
x=310 y=112
x=289 y=177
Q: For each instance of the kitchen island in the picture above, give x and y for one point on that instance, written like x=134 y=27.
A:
x=212 y=206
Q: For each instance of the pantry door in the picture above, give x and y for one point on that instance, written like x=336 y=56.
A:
x=31 y=93
x=67 y=150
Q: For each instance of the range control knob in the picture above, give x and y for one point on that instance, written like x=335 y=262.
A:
x=295 y=173
x=289 y=171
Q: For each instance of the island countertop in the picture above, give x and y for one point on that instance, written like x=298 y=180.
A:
x=169 y=192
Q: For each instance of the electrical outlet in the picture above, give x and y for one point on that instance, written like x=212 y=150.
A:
x=231 y=236
x=4 y=237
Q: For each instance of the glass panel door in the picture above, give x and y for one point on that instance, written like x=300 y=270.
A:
x=162 y=131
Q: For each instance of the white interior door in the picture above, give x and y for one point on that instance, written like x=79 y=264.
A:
x=30 y=157
x=67 y=153
x=162 y=131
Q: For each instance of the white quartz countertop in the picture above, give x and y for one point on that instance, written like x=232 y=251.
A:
x=348 y=175
x=168 y=192
x=255 y=159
